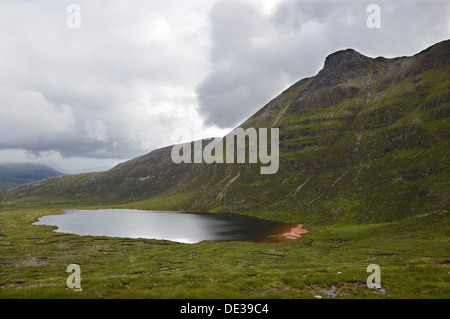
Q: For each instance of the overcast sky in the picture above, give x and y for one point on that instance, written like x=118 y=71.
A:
x=88 y=98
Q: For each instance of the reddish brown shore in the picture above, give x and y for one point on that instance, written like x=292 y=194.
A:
x=285 y=234
x=295 y=232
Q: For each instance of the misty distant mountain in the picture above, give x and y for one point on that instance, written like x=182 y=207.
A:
x=15 y=174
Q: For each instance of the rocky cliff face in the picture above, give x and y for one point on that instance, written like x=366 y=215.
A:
x=365 y=139
x=345 y=60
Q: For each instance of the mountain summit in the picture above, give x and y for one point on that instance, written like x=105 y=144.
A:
x=346 y=60
x=366 y=139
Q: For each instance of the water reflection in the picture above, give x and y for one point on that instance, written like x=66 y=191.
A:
x=168 y=225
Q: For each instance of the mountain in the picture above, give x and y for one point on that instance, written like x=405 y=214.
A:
x=366 y=139
x=13 y=175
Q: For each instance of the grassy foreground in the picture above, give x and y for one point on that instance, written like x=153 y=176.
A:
x=329 y=261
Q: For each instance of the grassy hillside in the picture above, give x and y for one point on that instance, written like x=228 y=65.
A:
x=412 y=254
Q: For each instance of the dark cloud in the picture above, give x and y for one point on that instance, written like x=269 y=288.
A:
x=255 y=55
x=114 y=88
x=239 y=76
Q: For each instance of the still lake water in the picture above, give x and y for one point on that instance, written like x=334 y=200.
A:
x=174 y=226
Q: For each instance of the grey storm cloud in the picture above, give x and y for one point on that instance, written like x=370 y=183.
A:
x=105 y=90
x=255 y=55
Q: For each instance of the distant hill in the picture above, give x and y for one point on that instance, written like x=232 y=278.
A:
x=15 y=174
x=366 y=139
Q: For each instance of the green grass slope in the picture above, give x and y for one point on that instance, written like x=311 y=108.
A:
x=412 y=254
